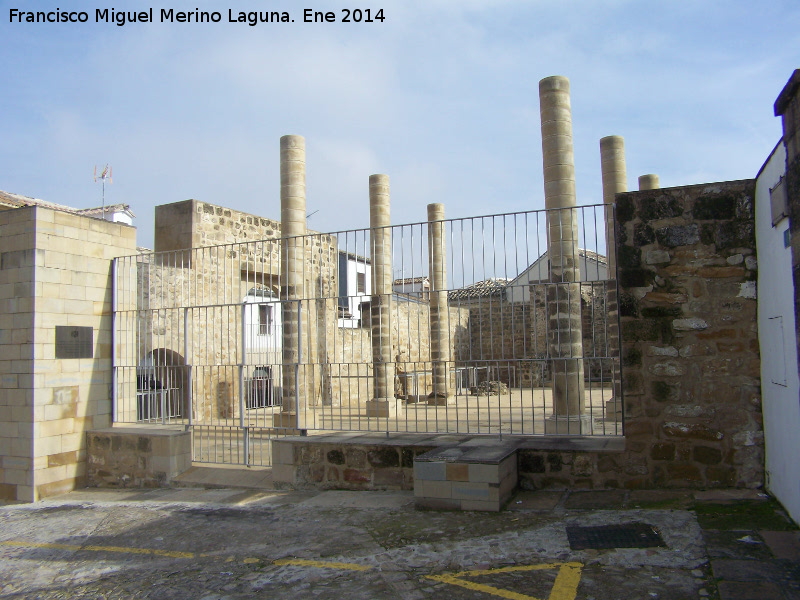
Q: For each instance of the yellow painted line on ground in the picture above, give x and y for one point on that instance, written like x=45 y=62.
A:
x=564 y=588
x=121 y=549
x=321 y=564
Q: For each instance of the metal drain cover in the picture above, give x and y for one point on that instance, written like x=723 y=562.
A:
x=603 y=537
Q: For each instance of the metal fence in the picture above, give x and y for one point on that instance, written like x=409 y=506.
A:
x=213 y=338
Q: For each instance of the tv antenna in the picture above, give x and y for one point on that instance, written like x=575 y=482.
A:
x=106 y=174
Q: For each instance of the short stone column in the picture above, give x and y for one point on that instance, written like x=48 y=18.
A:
x=383 y=403
x=439 y=317
x=615 y=181
x=565 y=339
x=293 y=228
x=648 y=182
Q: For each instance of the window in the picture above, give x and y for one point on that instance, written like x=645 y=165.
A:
x=361 y=283
x=264 y=319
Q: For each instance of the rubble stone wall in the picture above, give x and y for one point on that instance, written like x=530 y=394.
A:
x=690 y=354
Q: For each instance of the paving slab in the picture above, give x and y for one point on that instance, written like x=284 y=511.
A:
x=783 y=544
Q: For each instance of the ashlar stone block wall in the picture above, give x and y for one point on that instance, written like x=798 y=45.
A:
x=208 y=254
x=511 y=336
x=58 y=266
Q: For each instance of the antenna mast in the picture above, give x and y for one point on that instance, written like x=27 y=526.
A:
x=106 y=174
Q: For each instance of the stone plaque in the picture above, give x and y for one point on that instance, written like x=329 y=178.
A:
x=74 y=342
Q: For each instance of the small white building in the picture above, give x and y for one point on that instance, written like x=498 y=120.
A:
x=355 y=288
x=116 y=213
x=416 y=287
x=592 y=266
x=780 y=384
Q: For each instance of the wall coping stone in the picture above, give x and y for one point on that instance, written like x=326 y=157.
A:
x=545 y=442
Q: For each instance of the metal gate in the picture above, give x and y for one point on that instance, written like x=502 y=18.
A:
x=214 y=339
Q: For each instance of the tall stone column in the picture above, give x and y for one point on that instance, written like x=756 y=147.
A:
x=565 y=339
x=293 y=228
x=615 y=181
x=383 y=403
x=648 y=182
x=439 y=316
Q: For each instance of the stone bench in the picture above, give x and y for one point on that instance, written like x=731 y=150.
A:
x=474 y=475
x=137 y=456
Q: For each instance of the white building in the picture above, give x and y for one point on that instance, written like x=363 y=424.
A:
x=355 y=288
x=593 y=267
x=780 y=384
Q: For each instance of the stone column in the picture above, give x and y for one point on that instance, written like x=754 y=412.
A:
x=440 y=340
x=563 y=294
x=648 y=182
x=383 y=403
x=615 y=181
x=293 y=227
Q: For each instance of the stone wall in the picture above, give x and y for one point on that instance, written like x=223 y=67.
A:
x=59 y=267
x=137 y=457
x=690 y=359
x=18 y=259
x=211 y=255
x=512 y=335
x=351 y=366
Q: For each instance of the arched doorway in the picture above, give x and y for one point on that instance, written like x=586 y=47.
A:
x=162 y=392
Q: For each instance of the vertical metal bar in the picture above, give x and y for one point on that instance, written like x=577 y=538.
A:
x=114 y=321
x=241 y=367
x=187 y=362
x=297 y=364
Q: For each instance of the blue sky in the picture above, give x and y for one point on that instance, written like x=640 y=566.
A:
x=442 y=96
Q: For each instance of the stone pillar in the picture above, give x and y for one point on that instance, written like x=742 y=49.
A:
x=563 y=296
x=293 y=227
x=615 y=181
x=383 y=403
x=440 y=343
x=648 y=182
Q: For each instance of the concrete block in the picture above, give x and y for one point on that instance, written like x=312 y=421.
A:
x=475 y=491
x=437 y=489
x=430 y=471
x=282 y=453
x=283 y=474
x=457 y=472
x=481 y=473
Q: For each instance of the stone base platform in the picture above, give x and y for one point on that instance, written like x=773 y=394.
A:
x=474 y=472
x=137 y=456
x=466 y=477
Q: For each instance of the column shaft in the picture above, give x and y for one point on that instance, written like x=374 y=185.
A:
x=439 y=315
x=615 y=181
x=380 y=308
x=648 y=182
x=563 y=295
x=293 y=228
